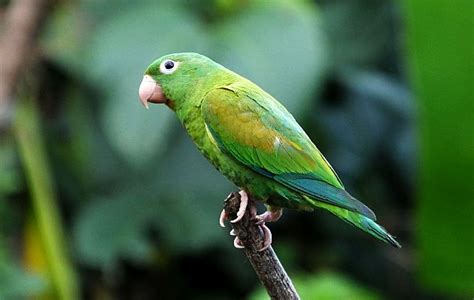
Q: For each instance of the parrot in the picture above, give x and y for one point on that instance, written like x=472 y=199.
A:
x=254 y=141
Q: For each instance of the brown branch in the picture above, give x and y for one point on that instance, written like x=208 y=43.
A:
x=265 y=263
x=21 y=24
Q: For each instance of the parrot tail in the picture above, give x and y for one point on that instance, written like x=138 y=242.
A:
x=358 y=220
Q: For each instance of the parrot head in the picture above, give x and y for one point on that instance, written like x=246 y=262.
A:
x=169 y=78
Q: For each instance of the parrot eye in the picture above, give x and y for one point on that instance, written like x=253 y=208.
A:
x=168 y=66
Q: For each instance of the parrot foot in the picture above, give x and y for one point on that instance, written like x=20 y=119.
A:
x=271 y=215
x=244 y=199
x=268 y=216
x=267 y=238
x=222 y=218
x=238 y=243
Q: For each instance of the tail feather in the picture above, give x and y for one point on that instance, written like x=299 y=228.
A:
x=324 y=192
x=377 y=231
x=359 y=221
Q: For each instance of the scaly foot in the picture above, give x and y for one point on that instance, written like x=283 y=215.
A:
x=244 y=199
x=271 y=215
x=267 y=237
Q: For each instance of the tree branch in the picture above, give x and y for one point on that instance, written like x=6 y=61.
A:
x=265 y=263
x=21 y=25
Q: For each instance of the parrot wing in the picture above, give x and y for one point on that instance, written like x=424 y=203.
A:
x=252 y=127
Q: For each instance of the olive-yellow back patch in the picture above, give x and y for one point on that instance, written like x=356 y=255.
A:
x=262 y=135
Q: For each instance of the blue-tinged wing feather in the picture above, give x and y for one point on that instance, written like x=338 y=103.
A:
x=325 y=192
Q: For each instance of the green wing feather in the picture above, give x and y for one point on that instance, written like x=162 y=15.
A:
x=252 y=127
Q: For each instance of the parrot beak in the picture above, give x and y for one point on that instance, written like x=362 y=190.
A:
x=150 y=91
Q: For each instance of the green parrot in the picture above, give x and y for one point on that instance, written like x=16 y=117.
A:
x=253 y=140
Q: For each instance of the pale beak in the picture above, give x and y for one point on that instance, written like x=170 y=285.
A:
x=150 y=91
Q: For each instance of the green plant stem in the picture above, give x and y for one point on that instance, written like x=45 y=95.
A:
x=27 y=130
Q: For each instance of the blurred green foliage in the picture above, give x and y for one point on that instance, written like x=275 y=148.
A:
x=325 y=286
x=445 y=210
x=15 y=283
x=31 y=149
x=139 y=204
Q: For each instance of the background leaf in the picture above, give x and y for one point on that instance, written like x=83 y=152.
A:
x=15 y=283
x=117 y=62
x=113 y=229
x=277 y=60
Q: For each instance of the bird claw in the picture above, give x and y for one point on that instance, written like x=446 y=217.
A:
x=222 y=218
x=244 y=199
x=267 y=237
x=238 y=243
x=269 y=216
x=240 y=213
